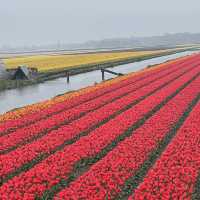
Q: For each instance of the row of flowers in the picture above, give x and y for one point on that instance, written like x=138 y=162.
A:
x=107 y=177
x=174 y=175
x=59 y=165
x=12 y=118
x=55 y=138
x=23 y=134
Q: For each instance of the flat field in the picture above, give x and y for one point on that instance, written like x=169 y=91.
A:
x=58 y=62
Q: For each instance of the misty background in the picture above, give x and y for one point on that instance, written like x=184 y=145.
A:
x=33 y=24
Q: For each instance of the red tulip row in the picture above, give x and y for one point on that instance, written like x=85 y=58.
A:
x=23 y=134
x=59 y=165
x=107 y=176
x=57 y=137
x=175 y=173
x=68 y=104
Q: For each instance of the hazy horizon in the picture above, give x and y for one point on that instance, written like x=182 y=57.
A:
x=35 y=22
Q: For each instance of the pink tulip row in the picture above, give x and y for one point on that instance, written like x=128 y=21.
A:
x=23 y=134
x=68 y=104
x=59 y=165
x=107 y=176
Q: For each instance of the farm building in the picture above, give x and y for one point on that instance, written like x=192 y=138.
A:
x=22 y=73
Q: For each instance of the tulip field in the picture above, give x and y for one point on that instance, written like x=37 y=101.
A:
x=45 y=63
x=133 y=137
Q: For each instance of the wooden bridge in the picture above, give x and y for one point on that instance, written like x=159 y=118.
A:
x=109 y=71
x=103 y=70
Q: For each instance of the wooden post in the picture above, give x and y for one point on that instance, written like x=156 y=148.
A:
x=67 y=73
x=103 y=75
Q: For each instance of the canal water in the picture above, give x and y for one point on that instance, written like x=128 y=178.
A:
x=15 y=98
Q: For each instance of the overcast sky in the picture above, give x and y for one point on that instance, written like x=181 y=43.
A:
x=27 y=22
